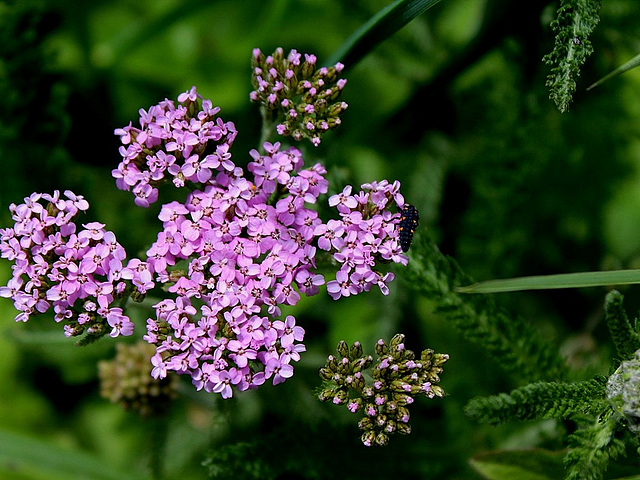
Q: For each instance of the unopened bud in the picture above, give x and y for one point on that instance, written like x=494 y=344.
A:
x=368 y=438
x=437 y=390
x=382 y=439
x=365 y=423
x=356 y=350
x=382 y=348
x=343 y=349
x=404 y=428
x=326 y=395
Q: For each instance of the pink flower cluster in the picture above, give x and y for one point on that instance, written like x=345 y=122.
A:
x=365 y=235
x=237 y=250
x=78 y=273
x=186 y=142
x=246 y=254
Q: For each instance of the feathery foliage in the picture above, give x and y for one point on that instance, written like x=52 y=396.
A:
x=541 y=400
x=592 y=448
x=517 y=346
x=575 y=21
x=625 y=338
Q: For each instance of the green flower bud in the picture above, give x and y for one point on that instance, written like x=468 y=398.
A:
x=397 y=342
x=327 y=394
x=381 y=420
x=355 y=352
x=97 y=329
x=404 y=428
x=440 y=358
x=340 y=398
x=325 y=373
x=382 y=439
x=402 y=415
x=343 y=349
x=390 y=426
x=366 y=423
x=400 y=386
x=437 y=390
x=390 y=407
x=368 y=438
x=381 y=348
x=344 y=366
x=433 y=377
x=336 y=109
x=367 y=392
x=403 y=399
x=362 y=363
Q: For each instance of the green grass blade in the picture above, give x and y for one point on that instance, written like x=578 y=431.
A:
x=380 y=27
x=562 y=280
x=633 y=63
x=26 y=457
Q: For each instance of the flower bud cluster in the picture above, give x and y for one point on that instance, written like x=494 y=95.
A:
x=78 y=273
x=249 y=249
x=397 y=379
x=184 y=142
x=297 y=94
x=623 y=392
x=126 y=380
x=365 y=236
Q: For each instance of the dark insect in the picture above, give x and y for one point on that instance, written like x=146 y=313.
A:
x=408 y=224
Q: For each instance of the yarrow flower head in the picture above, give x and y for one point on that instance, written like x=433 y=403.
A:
x=247 y=247
x=183 y=143
x=238 y=249
x=365 y=236
x=293 y=92
x=78 y=272
x=398 y=377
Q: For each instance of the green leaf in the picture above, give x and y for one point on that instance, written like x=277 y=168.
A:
x=562 y=280
x=574 y=24
x=380 y=27
x=26 y=457
x=624 y=336
x=633 y=63
x=533 y=464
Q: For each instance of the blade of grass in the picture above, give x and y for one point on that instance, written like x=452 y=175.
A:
x=562 y=280
x=380 y=27
x=633 y=63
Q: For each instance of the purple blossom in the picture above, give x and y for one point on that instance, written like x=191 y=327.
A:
x=56 y=267
x=171 y=145
x=246 y=253
x=365 y=236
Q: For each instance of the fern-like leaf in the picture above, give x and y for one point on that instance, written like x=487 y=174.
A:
x=575 y=21
x=625 y=337
x=591 y=449
x=541 y=400
x=509 y=339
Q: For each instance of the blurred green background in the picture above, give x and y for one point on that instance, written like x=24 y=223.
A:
x=454 y=106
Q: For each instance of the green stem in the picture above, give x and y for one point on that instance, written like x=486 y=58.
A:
x=268 y=127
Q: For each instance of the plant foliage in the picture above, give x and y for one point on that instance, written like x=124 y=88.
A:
x=540 y=400
x=573 y=26
x=514 y=343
